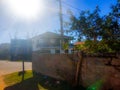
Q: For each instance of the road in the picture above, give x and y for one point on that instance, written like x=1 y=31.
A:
x=7 y=67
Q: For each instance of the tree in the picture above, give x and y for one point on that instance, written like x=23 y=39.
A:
x=87 y=24
x=94 y=22
x=111 y=24
x=92 y=26
x=111 y=28
x=65 y=46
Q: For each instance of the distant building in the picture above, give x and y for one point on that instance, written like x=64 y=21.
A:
x=20 y=49
x=5 y=51
x=48 y=42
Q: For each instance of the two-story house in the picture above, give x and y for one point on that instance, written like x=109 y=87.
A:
x=48 y=42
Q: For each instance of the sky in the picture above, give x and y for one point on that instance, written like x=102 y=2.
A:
x=27 y=18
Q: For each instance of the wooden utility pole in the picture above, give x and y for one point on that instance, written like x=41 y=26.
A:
x=61 y=18
x=61 y=23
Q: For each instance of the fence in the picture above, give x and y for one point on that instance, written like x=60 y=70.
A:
x=63 y=66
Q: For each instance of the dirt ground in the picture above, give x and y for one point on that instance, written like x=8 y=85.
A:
x=7 y=67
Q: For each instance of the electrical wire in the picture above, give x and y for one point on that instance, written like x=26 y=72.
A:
x=65 y=3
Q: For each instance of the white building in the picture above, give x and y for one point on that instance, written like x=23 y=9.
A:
x=48 y=42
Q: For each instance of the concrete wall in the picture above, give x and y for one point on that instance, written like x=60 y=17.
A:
x=50 y=64
x=64 y=67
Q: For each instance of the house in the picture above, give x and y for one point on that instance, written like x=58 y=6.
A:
x=48 y=42
x=20 y=49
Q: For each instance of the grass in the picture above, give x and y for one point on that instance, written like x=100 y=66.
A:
x=41 y=82
x=14 y=78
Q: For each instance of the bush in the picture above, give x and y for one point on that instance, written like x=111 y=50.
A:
x=101 y=46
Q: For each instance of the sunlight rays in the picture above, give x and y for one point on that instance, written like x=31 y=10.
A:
x=24 y=9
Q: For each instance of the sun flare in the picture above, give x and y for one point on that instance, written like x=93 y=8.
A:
x=24 y=9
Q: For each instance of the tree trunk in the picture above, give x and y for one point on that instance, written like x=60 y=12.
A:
x=95 y=38
x=78 y=77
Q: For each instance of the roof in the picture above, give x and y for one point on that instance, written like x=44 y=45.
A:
x=79 y=43
x=50 y=35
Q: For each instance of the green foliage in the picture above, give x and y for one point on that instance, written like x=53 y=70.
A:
x=65 y=45
x=90 y=46
x=103 y=47
x=88 y=24
x=99 y=46
x=79 y=47
x=92 y=26
x=114 y=45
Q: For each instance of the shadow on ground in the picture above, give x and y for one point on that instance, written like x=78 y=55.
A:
x=42 y=82
x=29 y=84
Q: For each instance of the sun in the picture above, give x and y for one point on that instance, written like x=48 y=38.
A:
x=24 y=9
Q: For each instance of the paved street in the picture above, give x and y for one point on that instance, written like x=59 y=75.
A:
x=7 y=67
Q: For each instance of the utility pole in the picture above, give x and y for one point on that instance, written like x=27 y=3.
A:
x=61 y=18
x=61 y=22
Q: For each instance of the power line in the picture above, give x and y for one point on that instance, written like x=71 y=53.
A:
x=65 y=3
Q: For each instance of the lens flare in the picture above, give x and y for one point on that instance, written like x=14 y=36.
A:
x=24 y=9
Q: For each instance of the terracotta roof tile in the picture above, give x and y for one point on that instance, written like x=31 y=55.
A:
x=79 y=43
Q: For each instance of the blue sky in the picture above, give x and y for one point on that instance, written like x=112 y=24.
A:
x=11 y=27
